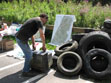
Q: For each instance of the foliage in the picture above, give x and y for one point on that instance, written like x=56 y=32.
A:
x=86 y=14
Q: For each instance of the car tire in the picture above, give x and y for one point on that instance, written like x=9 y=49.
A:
x=106 y=30
x=69 y=63
x=77 y=37
x=96 y=71
x=96 y=39
x=69 y=46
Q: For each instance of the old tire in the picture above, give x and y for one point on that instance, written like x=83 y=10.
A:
x=69 y=46
x=100 y=68
x=106 y=30
x=78 y=36
x=69 y=63
x=96 y=39
x=107 y=24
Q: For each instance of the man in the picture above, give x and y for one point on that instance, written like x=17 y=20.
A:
x=27 y=30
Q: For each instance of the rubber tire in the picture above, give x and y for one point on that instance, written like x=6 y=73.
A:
x=66 y=71
x=77 y=37
x=69 y=46
x=54 y=65
x=107 y=24
x=96 y=39
x=88 y=68
x=106 y=30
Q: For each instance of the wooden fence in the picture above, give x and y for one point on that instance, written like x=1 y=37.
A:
x=75 y=29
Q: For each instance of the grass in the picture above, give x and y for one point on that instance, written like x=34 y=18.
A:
x=48 y=46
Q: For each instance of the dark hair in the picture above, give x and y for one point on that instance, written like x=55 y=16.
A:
x=43 y=15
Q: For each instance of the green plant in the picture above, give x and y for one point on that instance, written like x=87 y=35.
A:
x=20 y=11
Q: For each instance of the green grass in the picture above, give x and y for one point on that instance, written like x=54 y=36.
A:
x=50 y=47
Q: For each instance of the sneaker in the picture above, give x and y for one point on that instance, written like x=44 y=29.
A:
x=28 y=74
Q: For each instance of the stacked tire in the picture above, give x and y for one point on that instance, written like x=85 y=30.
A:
x=92 y=54
x=95 y=50
x=68 y=62
x=96 y=39
x=98 y=63
x=68 y=46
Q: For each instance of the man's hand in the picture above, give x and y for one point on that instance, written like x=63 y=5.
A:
x=44 y=48
x=34 y=47
x=43 y=39
x=33 y=43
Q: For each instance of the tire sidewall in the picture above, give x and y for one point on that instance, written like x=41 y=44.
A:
x=91 y=37
x=72 y=47
x=91 y=72
x=73 y=71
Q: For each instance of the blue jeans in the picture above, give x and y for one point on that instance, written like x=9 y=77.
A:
x=28 y=54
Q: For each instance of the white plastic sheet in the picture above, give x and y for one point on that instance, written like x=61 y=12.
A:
x=62 y=29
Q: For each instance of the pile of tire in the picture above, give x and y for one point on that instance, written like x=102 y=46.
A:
x=95 y=51
x=68 y=62
x=90 y=53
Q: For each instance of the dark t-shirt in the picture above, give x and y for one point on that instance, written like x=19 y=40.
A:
x=29 y=28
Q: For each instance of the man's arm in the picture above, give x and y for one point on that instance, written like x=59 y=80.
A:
x=33 y=43
x=43 y=39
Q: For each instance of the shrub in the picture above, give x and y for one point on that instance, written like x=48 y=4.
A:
x=86 y=14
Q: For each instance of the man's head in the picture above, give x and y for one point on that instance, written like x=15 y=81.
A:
x=44 y=18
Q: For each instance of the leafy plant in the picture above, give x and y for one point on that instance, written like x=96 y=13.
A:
x=86 y=15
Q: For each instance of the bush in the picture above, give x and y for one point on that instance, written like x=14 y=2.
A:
x=86 y=14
